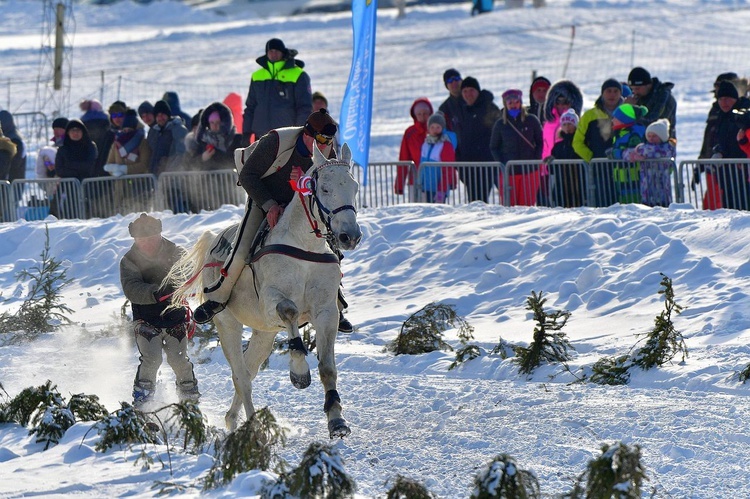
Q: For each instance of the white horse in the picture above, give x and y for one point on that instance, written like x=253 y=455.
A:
x=293 y=279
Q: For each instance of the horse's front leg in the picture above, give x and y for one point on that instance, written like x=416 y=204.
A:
x=326 y=325
x=299 y=369
x=230 y=337
x=258 y=349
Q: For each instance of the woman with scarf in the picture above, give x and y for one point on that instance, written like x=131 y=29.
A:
x=130 y=154
x=130 y=137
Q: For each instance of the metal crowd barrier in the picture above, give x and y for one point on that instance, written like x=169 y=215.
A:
x=105 y=197
x=717 y=183
x=36 y=198
x=192 y=192
x=182 y=192
x=561 y=183
x=618 y=181
x=6 y=202
x=381 y=179
x=720 y=183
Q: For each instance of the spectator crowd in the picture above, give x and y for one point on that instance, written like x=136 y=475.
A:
x=632 y=124
x=548 y=131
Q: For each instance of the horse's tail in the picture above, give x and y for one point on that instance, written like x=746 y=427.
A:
x=186 y=275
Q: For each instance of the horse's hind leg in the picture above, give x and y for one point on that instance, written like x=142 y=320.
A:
x=299 y=370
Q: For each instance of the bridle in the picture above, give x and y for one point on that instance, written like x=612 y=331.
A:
x=324 y=214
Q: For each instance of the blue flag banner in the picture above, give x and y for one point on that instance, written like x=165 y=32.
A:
x=356 y=109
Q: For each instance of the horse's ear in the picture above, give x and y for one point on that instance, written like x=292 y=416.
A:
x=346 y=153
x=318 y=158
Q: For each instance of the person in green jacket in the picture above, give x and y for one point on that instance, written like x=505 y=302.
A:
x=594 y=136
x=280 y=94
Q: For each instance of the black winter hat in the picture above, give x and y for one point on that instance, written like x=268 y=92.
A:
x=60 y=122
x=145 y=107
x=639 y=76
x=162 y=107
x=276 y=44
x=611 y=83
x=470 y=82
x=727 y=89
x=450 y=73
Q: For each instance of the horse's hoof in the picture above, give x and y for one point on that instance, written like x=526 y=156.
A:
x=338 y=428
x=300 y=381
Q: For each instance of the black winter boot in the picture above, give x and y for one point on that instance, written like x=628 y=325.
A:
x=344 y=325
x=207 y=310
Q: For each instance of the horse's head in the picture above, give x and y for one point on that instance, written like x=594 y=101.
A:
x=335 y=191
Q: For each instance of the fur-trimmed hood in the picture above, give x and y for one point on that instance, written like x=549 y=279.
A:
x=225 y=114
x=567 y=89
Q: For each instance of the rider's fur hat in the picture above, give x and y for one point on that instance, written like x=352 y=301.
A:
x=145 y=226
x=321 y=122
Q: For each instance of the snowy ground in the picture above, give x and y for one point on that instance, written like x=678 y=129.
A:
x=409 y=414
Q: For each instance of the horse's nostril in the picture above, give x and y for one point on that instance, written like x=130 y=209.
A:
x=344 y=238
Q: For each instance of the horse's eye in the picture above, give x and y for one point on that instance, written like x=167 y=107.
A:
x=325 y=191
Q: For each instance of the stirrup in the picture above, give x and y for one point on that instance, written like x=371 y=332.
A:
x=207 y=311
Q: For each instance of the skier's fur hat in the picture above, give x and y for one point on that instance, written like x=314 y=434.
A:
x=145 y=226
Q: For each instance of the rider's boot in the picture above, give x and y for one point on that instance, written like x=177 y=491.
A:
x=344 y=325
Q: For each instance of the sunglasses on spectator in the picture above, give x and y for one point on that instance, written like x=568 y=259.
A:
x=117 y=115
x=562 y=100
x=216 y=122
x=323 y=139
x=452 y=79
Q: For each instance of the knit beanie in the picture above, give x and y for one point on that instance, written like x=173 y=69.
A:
x=659 y=127
x=145 y=107
x=512 y=93
x=436 y=118
x=470 y=82
x=275 y=44
x=162 y=107
x=628 y=114
x=450 y=73
x=639 y=76
x=60 y=122
x=320 y=122
x=145 y=226
x=727 y=89
x=611 y=83
x=626 y=91
x=569 y=116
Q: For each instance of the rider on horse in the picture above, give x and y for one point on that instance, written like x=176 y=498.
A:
x=268 y=165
